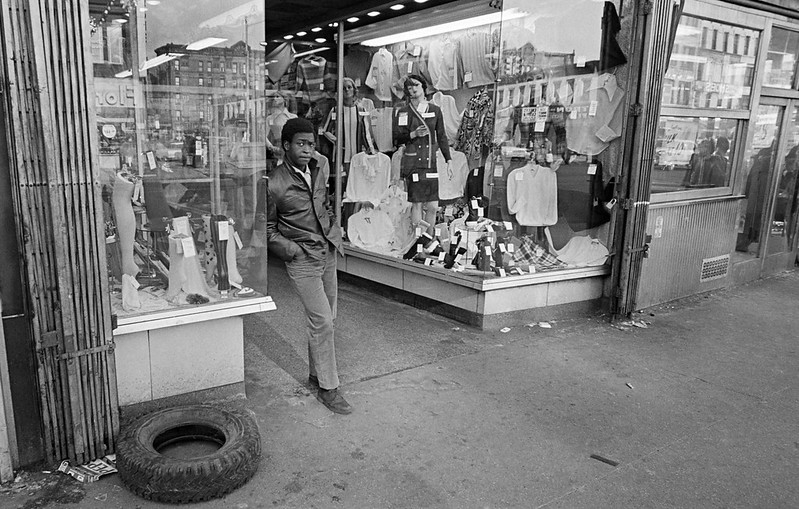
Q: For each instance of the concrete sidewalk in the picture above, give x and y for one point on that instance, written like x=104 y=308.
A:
x=697 y=410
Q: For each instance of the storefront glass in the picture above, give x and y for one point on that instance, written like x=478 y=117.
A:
x=529 y=104
x=711 y=70
x=781 y=60
x=182 y=127
x=783 y=221
x=761 y=159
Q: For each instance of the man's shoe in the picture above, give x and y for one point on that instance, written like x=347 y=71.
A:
x=334 y=401
x=313 y=381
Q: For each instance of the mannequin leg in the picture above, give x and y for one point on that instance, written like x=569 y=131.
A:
x=431 y=209
x=232 y=268
x=210 y=252
x=125 y=222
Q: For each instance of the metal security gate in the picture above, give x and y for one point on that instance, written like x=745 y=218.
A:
x=654 y=34
x=46 y=89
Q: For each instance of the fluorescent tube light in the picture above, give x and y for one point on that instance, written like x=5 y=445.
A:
x=124 y=74
x=205 y=43
x=486 y=19
x=311 y=52
x=160 y=59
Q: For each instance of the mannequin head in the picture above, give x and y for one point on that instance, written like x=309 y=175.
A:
x=415 y=87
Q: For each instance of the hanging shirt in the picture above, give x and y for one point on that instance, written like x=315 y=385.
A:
x=369 y=177
x=407 y=60
x=475 y=55
x=453 y=187
x=398 y=208
x=381 y=74
x=477 y=127
x=596 y=114
x=278 y=62
x=356 y=64
x=310 y=79
x=583 y=251
x=533 y=195
x=442 y=64
x=371 y=229
x=381 y=119
x=449 y=110
x=357 y=128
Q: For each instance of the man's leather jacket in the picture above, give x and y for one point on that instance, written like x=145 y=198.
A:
x=298 y=218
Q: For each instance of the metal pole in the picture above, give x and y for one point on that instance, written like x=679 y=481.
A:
x=339 y=148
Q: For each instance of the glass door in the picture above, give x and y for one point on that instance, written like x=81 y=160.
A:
x=760 y=160
x=782 y=229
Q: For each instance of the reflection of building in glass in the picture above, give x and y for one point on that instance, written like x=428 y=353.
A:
x=711 y=66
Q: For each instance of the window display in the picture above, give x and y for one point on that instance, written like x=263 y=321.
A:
x=186 y=131
x=498 y=127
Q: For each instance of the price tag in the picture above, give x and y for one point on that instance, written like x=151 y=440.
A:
x=474 y=204
x=518 y=271
x=321 y=131
x=448 y=211
x=510 y=248
x=528 y=115
x=519 y=175
x=437 y=232
x=508 y=225
x=498 y=171
x=532 y=269
x=237 y=239
x=135 y=283
x=502 y=248
x=579 y=60
x=357 y=82
x=592 y=169
x=333 y=115
x=188 y=247
x=487 y=249
x=417 y=50
x=415 y=177
x=402 y=119
x=467 y=77
x=476 y=172
x=224 y=230
x=539 y=126
x=592 y=108
x=321 y=86
x=410 y=67
x=489 y=228
x=441 y=256
x=151 y=159
x=419 y=248
x=502 y=272
x=418 y=231
x=537 y=93
x=157 y=124
x=479 y=211
x=428 y=261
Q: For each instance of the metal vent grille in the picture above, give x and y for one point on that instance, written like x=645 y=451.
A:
x=715 y=268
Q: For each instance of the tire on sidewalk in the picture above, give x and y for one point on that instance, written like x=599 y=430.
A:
x=153 y=476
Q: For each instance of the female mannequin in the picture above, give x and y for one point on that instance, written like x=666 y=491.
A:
x=419 y=126
x=278 y=117
x=357 y=125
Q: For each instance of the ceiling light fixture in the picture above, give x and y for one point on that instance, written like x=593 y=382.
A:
x=397 y=7
x=420 y=1
x=320 y=40
x=302 y=34
x=153 y=2
x=353 y=19
x=310 y=52
x=289 y=36
x=316 y=29
x=373 y=14
x=486 y=19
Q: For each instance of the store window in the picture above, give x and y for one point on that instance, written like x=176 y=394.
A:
x=180 y=165
x=782 y=233
x=705 y=100
x=525 y=107
x=781 y=59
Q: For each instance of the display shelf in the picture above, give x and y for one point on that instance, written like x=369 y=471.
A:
x=193 y=314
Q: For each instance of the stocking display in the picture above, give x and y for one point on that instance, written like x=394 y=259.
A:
x=185 y=274
x=220 y=232
x=125 y=220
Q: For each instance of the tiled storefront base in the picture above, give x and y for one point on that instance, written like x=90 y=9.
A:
x=485 y=303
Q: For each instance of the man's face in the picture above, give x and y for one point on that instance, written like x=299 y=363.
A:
x=300 y=150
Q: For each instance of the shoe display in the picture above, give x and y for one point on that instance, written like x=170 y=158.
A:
x=334 y=401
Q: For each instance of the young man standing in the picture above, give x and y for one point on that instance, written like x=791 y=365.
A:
x=301 y=230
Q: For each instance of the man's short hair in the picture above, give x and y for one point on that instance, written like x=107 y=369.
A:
x=294 y=126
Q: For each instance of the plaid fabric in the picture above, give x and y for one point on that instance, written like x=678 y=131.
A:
x=534 y=254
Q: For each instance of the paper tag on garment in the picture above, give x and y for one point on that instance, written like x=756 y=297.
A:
x=237 y=239
x=592 y=108
x=224 y=230
x=579 y=60
x=510 y=248
x=519 y=176
x=333 y=115
x=467 y=77
x=137 y=189
x=188 y=247
x=448 y=211
x=321 y=86
x=357 y=82
x=508 y=225
x=181 y=226
x=418 y=232
x=480 y=212
x=417 y=50
x=364 y=113
x=501 y=272
x=487 y=249
x=532 y=269
x=474 y=204
x=539 y=126
x=410 y=67
x=428 y=261
x=528 y=115
x=431 y=175
x=321 y=131
x=476 y=172
x=542 y=114
x=502 y=248
x=489 y=228
x=592 y=169
x=429 y=114
x=498 y=171
x=437 y=232
x=441 y=256
x=402 y=119
x=550 y=158
x=151 y=159
x=518 y=271
x=415 y=177
x=419 y=248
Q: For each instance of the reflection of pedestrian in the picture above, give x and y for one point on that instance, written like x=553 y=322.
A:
x=697 y=166
x=716 y=170
x=756 y=192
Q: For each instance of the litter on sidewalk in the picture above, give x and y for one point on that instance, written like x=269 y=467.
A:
x=91 y=471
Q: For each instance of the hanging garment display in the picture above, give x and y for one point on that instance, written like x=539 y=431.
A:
x=369 y=177
x=533 y=195
x=356 y=128
x=310 y=79
x=475 y=51
x=451 y=186
x=279 y=62
x=442 y=63
x=611 y=54
x=381 y=127
x=449 y=110
x=381 y=74
x=356 y=64
x=596 y=114
x=371 y=229
x=407 y=60
x=477 y=127
x=398 y=208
